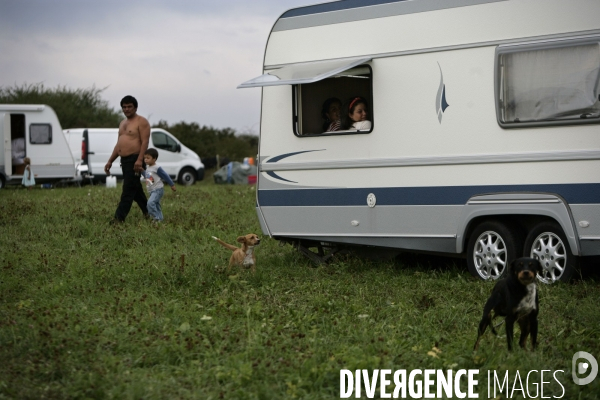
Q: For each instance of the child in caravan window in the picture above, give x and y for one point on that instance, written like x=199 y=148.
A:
x=332 y=113
x=28 y=177
x=356 y=113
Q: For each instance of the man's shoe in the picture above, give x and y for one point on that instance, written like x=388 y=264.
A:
x=116 y=221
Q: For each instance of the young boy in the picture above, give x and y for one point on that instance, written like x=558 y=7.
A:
x=154 y=182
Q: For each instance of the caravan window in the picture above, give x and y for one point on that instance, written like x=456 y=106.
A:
x=557 y=84
x=310 y=98
x=40 y=134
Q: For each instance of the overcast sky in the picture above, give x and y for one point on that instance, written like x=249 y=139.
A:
x=181 y=59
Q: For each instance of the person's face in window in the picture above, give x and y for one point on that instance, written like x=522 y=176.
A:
x=359 y=113
x=334 y=113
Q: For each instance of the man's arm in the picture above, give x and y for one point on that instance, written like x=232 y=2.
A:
x=113 y=156
x=144 y=128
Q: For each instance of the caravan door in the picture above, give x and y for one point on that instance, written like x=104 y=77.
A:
x=7 y=144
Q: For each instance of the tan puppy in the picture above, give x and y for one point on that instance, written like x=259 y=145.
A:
x=244 y=256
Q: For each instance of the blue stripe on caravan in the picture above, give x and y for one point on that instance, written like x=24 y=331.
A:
x=334 y=6
x=274 y=175
x=577 y=193
x=282 y=156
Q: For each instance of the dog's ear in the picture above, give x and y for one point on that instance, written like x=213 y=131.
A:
x=241 y=239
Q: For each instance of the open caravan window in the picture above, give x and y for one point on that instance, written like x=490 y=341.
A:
x=548 y=85
x=317 y=82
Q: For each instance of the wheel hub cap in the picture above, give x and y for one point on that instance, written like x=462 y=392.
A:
x=490 y=255
x=550 y=251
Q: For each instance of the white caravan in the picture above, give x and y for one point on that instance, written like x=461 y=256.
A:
x=37 y=128
x=93 y=146
x=484 y=139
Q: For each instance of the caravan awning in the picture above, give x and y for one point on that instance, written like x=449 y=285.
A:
x=303 y=73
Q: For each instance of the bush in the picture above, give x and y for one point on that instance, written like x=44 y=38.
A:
x=208 y=141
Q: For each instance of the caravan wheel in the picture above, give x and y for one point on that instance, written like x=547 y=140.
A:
x=547 y=243
x=2 y=182
x=491 y=245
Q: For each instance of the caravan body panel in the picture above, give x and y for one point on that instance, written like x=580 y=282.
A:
x=422 y=176
x=44 y=141
x=401 y=27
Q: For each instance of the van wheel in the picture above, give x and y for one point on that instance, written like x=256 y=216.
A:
x=491 y=245
x=548 y=244
x=2 y=182
x=187 y=176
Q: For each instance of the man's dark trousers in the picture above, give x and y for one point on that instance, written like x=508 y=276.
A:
x=132 y=189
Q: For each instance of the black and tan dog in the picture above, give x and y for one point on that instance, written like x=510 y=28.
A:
x=514 y=297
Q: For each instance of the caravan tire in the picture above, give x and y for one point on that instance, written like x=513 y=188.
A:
x=547 y=243
x=187 y=176
x=491 y=246
x=2 y=182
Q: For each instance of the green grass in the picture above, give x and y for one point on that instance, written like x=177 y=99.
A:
x=89 y=310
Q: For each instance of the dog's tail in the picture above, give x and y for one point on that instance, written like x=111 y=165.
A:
x=226 y=245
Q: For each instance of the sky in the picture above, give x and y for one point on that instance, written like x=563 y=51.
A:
x=181 y=59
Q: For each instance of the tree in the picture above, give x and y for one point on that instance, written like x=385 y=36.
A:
x=75 y=108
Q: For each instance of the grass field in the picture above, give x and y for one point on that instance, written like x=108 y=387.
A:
x=136 y=311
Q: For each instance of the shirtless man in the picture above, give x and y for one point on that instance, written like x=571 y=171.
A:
x=134 y=134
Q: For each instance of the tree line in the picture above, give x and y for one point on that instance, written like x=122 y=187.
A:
x=85 y=108
x=208 y=142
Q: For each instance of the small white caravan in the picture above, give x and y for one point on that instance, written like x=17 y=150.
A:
x=36 y=129
x=484 y=138
x=93 y=146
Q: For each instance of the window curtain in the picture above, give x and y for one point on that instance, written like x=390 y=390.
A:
x=552 y=84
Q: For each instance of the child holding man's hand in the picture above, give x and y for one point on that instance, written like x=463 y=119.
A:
x=155 y=176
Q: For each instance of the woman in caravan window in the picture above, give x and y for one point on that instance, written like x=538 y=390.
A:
x=332 y=113
x=356 y=113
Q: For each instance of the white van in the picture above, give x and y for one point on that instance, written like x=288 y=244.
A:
x=36 y=128
x=95 y=145
x=484 y=139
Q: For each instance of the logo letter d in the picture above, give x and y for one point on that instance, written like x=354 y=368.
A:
x=346 y=376
x=583 y=367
